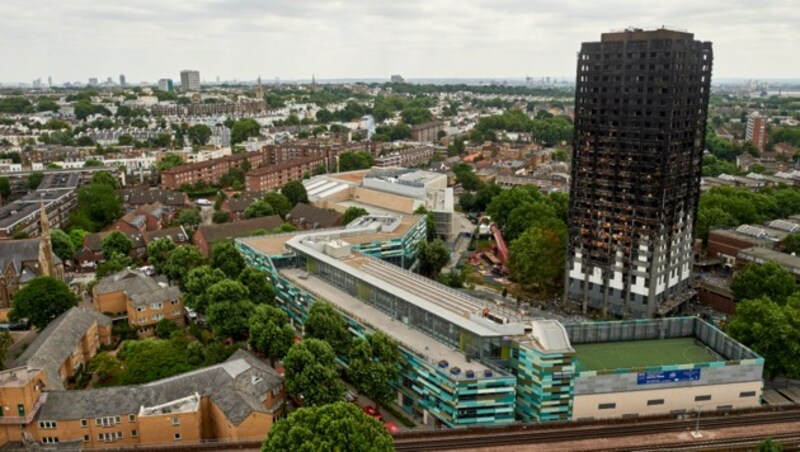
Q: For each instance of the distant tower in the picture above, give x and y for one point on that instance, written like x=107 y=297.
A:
x=260 y=89
x=313 y=83
x=122 y=81
x=46 y=261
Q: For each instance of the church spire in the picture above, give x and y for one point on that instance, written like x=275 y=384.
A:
x=46 y=260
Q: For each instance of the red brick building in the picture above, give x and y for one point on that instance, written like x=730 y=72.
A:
x=210 y=171
x=275 y=176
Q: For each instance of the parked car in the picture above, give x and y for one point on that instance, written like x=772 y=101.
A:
x=350 y=397
x=190 y=313
x=392 y=427
x=372 y=411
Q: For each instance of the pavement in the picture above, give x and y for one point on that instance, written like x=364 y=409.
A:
x=387 y=416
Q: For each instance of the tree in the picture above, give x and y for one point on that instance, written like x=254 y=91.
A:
x=791 y=244
x=352 y=213
x=112 y=265
x=258 y=209
x=229 y=309
x=325 y=324
x=339 y=426
x=768 y=445
x=536 y=258
x=181 y=261
x=116 y=243
x=350 y=161
x=773 y=331
x=189 y=218
x=62 y=244
x=467 y=178
x=5 y=188
x=199 y=134
x=169 y=161
x=279 y=203
x=219 y=217
x=295 y=192
x=430 y=223
x=501 y=206
x=149 y=360
x=107 y=367
x=243 y=129
x=5 y=343
x=310 y=367
x=196 y=286
x=374 y=366
x=165 y=328
x=99 y=205
x=763 y=280
x=104 y=177
x=433 y=256
x=158 y=252
x=226 y=257
x=76 y=235
x=41 y=301
x=270 y=332
x=527 y=215
x=34 y=179
x=258 y=285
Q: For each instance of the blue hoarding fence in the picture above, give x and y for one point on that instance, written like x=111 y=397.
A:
x=669 y=376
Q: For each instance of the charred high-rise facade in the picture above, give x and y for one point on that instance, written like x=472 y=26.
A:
x=641 y=102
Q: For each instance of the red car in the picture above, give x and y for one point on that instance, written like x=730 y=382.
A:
x=371 y=411
x=392 y=428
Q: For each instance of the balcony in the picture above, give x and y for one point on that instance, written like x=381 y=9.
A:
x=27 y=419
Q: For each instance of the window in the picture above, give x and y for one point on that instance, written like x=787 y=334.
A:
x=747 y=394
x=176 y=421
x=107 y=421
x=702 y=398
x=109 y=436
x=158 y=317
x=156 y=306
x=173 y=302
x=655 y=402
x=131 y=418
x=47 y=424
x=177 y=437
x=49 y=440
x=134 y=434
x=85 y=438
x=606 y=406
x=140 y=308
x=84 y=423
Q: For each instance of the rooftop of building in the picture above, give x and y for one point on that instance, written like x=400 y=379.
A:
x=762 y=255
x=129 y=281
x=15 y=253
x=641 y=354
x=57 y=341
x=275 y=244
x=18 y=376
x=158 y=295
x=321 y=218
x=225 y=231
x=634 y=33
x=237 y=387
x=411 y=339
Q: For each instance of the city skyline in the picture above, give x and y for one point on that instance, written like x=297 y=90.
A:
x=242 y=39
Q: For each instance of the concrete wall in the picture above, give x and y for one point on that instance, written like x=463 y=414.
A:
x=675 y=400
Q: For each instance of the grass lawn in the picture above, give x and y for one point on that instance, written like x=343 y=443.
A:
x=630 y=354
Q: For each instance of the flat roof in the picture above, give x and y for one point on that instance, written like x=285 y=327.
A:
x=413 y=340
x=762 y=255
x=275 y=244
x=637 y=354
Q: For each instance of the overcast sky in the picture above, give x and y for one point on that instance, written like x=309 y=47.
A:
x=73 y=40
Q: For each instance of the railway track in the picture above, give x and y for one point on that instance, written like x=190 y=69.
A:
x=541 y=434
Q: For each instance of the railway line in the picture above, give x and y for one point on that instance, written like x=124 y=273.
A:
x=542 y=434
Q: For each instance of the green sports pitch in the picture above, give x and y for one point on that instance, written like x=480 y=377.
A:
x=634 y=354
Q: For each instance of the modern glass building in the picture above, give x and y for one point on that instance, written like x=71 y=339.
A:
x=469 y=362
